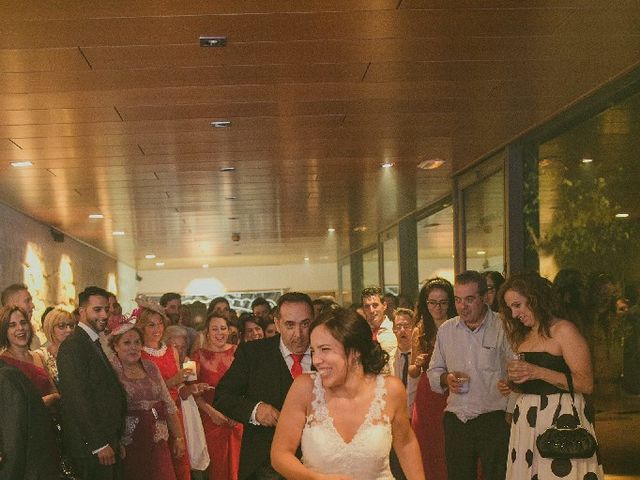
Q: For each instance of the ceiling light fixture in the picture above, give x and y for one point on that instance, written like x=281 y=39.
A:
x=587 y=160
x=206 y=41
x=331 y=230
x=159 y=264
x=221 y=123
x=228 y=169
x=431 y=164
x=118 y=233
x=149 y=256
x=306 y=259
x=481 y=252
x=22 y=164
x=387 y=164
x=96 y=216
x=622 y=215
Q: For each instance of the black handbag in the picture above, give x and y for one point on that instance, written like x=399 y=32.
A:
x=565 y=438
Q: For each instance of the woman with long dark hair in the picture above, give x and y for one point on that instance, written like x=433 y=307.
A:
x=553 y=360
x=435 y=306
x=346 y=415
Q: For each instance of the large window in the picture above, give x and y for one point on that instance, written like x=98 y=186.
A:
x=370 y=276
x=390 y=261
x=588 y=189
x=435 y=245
x=484 y=223
x=345 y=284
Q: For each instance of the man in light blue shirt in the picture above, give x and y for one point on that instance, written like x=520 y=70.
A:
x=470 y=356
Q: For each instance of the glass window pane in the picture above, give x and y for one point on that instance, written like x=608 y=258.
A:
x=390 y=256
x=370 y=268
x=435 y=246
x=484 y=223
x=345 y=275
x=589 y=225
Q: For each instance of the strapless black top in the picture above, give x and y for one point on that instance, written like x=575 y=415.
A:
x=545 y=360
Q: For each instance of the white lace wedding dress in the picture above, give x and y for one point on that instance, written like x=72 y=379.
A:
x=365 y=457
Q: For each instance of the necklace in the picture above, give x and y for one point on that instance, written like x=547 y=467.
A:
x=156 y=352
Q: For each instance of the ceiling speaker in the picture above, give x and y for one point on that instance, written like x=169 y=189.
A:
x=56 y=235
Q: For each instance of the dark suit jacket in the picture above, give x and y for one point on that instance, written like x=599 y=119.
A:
x=94 y=403
x=27 y=439
x=258 y=373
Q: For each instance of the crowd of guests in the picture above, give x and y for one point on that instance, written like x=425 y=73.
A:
x=457 y=387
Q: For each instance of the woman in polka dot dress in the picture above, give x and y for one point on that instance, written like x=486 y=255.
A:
x=551 y=350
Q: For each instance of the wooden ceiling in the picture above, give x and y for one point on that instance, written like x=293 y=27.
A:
x=112 y=102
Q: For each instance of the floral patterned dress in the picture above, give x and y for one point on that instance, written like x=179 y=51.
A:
x=146 y=432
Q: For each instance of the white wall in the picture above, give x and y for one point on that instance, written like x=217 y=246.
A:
x=55 y=271
x=322 y=277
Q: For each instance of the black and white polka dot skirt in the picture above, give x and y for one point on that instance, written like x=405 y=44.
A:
x=533 y=414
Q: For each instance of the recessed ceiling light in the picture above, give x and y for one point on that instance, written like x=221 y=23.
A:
x=221 y=123
x=23 y=164
x=217 y=41
x=149 y=256
x=431 y=164
x=118 y=233
x=481 y=252
x=387 y=164
x=360 y=228
x=228 y=169
x=205 y=265
x=159 y=264
x=96 y=215
x=587 y=160
x=331 y=230
x=622 y=215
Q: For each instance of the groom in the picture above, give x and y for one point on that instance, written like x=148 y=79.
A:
x=255 y=386
x=94 y=403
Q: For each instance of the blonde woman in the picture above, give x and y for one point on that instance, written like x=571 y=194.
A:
x=58 y=325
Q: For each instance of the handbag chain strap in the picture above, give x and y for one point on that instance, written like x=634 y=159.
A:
x=556 y=414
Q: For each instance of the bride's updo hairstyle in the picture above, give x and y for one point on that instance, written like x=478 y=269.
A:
x=355 y=335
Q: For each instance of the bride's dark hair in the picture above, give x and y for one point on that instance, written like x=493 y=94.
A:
x=354 y=333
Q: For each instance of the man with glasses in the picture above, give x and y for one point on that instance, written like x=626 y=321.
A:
x=470 y=356
x=403 y=324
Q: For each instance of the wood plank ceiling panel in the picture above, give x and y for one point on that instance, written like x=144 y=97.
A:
x=113 y=105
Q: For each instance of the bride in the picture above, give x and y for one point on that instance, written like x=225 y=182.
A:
x=346 y=416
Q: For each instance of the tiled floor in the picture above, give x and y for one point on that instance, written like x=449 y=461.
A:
x=618 y=433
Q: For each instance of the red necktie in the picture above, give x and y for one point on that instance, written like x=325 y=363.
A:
x=296 y=368
x=374 y=334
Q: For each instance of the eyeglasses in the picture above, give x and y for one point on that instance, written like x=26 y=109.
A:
x=435 y=303
x=70 y=325
x=397 y=328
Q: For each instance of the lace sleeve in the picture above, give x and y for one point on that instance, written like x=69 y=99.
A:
x=165 y=397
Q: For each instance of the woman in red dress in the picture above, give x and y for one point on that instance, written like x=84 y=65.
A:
x=152 y=322
x=224 y=435
x=151 y=412
x=16 y=333
x=435 y=305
